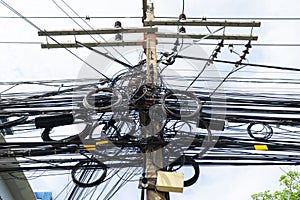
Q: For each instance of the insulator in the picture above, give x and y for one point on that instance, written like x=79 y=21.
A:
x=230 y=47
x=182 y=17
x=218 y=49
x=246 y=51
x=118 y=24
x=215 y=55
x=243 y=57
x=118 y=37
x=182 y=30
x=221 y=44
x=248 y=45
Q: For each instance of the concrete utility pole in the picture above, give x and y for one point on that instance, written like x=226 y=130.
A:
x=154 y=159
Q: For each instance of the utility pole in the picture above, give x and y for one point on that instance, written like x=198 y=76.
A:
x=153 y=159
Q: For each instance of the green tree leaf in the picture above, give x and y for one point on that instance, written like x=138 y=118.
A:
x=291 y=188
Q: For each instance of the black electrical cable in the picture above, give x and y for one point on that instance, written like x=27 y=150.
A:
x=246 y=98
x=267 y=133
x=81 y=165
x=5 y=123
x=187 y=160
x=246 y=64
x=142 y=194
x=105 y=55
x=103 y=107
x=175 y=95
x=125 y=180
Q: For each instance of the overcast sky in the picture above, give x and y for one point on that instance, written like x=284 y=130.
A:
x=29 y=62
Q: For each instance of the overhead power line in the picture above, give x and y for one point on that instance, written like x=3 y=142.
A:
x=244 y=64
x=208 y=44
x=244 y=18
x=257 y=44
x=75 y=17
x=87 y=17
